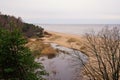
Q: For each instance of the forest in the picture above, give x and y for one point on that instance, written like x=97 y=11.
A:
x=28 y=30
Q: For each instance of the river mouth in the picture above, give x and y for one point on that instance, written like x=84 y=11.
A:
x=64 y=65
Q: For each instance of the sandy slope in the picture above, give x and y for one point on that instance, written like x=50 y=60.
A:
x=63 y=39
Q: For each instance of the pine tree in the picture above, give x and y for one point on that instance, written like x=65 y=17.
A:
x=16 y=60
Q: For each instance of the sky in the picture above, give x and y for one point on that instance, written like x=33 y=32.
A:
x=64 y=11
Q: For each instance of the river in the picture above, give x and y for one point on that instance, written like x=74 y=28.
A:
x=65 y=66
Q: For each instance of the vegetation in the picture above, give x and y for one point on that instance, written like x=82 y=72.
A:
x=29 y=30
x=39 y=48
x=16 y=60
x=55 y=37
x=104 y=50
x=72 y=40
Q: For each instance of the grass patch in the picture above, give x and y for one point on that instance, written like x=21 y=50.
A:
x=55 y=37
x=72 y=40
x=39 y=48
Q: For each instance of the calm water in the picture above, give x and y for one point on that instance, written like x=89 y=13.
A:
x=63 y=66
x=75 y=28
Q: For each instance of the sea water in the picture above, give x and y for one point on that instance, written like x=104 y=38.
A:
x=76 y=28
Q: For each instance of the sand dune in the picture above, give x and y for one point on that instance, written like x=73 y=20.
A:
x=63 y=39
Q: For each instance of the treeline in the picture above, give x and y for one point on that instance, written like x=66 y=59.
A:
x=29 y=30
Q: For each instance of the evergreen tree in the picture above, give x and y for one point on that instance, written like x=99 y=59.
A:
x=16 y=60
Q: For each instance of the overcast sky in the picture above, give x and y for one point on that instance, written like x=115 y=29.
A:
x=64 y=11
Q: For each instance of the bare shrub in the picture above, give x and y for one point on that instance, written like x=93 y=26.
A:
x=103 y=49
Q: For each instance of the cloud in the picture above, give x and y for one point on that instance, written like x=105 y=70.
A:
x=62 y=10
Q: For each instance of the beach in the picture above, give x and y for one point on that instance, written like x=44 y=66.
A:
x=65 y=39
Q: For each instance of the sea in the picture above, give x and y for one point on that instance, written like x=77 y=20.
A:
x=76 y=28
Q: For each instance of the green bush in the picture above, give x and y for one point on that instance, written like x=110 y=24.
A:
x=16 y=60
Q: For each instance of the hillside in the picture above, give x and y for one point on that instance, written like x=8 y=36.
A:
x=28 y=30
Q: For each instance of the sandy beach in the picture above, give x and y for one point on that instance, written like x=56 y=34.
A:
x=64 y=39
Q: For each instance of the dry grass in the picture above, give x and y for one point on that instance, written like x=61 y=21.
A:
x=39 y=48
x=72 y=40
x=54 y=37
x=48 y=50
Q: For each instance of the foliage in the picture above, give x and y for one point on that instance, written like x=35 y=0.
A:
x=16 y=60
x=29 y=30
x=39 y=48
x=71 y=40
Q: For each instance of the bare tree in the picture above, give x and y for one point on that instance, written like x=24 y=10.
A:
x=103 y=49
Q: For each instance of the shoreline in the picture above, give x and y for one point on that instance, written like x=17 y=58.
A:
x=67 y=40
